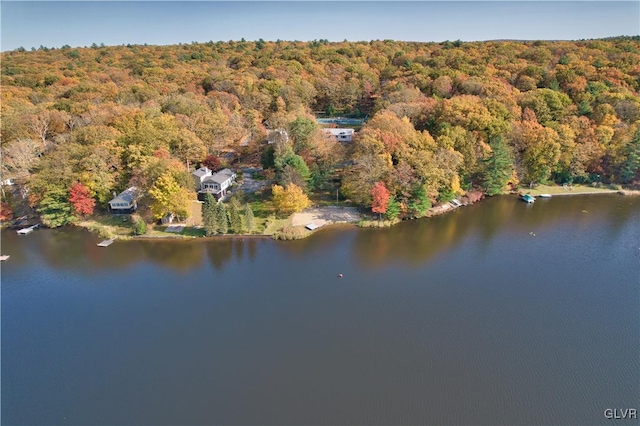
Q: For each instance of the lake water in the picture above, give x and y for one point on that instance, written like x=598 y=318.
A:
x=498 y=313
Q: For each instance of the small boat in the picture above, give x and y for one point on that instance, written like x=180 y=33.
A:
x=4 y=257
x=528 y=198
x=544 y=195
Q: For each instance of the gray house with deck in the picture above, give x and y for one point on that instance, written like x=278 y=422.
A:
x=125 y=202
x=216 y=184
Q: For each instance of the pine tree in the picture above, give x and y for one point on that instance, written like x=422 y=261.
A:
x=249 y=220
x=630 y=167
x=499 y=167
x=393 y=209
x=221 y=218
x=209 y=215
x=420 y=203
x=235 y=218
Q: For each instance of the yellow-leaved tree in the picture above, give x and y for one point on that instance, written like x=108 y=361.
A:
x=168 y=197
x=290 y=199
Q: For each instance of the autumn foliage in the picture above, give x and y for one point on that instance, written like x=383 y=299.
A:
x=118 y=116
x=381 y=197
x=80 y=199
x=212 y=163
x=290 y=199
x=6 y=213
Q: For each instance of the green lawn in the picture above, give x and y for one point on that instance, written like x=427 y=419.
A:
x=193 y=232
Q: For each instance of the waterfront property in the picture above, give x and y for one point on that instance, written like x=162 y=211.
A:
x=216 y=184
x=343 y=135
x=125 y=202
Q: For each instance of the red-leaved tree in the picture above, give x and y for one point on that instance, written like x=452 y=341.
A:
x=80 y=199
x=6 y=214
x=211 y=162
x=381 y=196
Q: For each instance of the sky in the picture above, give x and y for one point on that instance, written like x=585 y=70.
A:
x=81 y=23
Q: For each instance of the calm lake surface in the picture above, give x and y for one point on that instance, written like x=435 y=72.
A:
x=465 y=318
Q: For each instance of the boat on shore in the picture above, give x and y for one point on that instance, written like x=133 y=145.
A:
x=528 y=198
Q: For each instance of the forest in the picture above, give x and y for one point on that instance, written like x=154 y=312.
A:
x=442 y=119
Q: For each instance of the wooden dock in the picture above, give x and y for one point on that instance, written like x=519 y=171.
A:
x=28 y=230
x=106 y=243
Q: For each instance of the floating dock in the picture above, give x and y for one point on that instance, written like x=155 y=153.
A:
x=106 y=243
x=25 y=231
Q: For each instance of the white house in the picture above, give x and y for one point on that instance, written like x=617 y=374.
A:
x=216 y=184
x=199 y=175
x=343 y=135
x=125 y=202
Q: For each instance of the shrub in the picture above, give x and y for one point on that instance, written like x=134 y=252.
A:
x=290 y=232
x=139 y=226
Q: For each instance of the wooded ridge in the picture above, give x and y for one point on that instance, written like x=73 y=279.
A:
x=442 y=118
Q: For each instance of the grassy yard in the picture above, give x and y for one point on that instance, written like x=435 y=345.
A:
x=109 y=226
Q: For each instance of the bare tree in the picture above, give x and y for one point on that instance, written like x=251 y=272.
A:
x=20 y=157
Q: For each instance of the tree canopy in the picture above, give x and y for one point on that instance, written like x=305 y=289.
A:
x=109 y=117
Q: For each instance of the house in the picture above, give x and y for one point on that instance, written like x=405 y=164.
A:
x=216 y=184
x=343 y=135
x=199 y=175
x=125 y=202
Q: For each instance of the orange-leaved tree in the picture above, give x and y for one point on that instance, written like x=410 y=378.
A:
x=381 y=196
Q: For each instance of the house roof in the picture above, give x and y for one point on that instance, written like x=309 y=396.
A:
x=128 y=195
x=220 y=177
x=202 y=171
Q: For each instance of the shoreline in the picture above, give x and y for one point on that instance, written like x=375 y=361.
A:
x=362 y=221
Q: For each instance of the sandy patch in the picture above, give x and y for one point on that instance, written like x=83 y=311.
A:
x=325 y=215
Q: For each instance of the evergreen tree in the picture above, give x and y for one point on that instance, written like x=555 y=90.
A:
x=631 y=166
x=393 y=209
x=249 y=220
x=221 y=218
x=209 y=218
x=235 y=218
x=420 y=203
x=499 y=167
